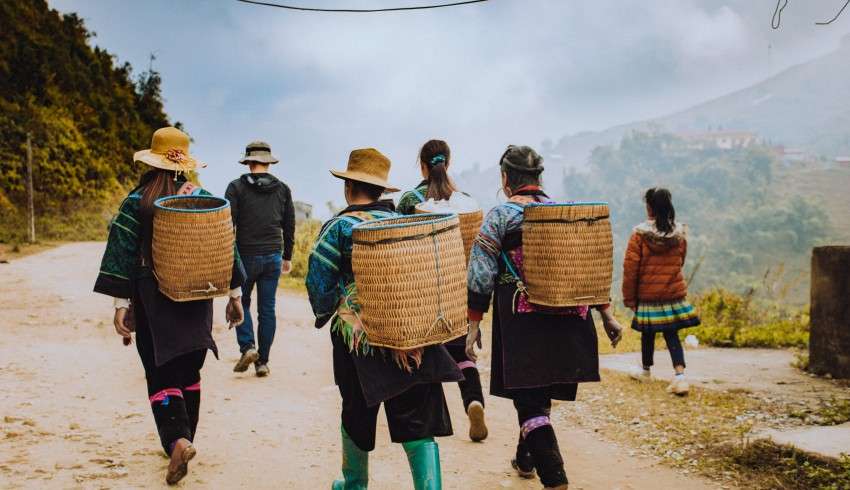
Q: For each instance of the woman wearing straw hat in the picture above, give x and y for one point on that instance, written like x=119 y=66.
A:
x=434 y=160
x=537 y=355
x=172 y=338
x=407 y=383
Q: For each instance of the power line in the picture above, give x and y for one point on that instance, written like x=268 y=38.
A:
x=776 y=20
x=830 y=21
x=360 y=11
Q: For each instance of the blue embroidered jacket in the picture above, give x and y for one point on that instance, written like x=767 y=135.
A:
x=329 y=268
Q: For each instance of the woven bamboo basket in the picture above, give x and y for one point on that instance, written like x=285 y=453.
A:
x=470 y=224
x=568 y=254
x=192 y=247
x=410 y=274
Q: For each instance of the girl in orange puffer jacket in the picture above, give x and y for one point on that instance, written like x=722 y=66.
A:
x=654 y=286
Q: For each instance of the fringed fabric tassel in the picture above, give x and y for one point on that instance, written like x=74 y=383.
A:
x=408 y=360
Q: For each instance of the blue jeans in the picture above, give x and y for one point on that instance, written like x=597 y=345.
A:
x=264 y=271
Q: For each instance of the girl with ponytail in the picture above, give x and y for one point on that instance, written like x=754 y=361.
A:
x=434 y=159
x=654 y=286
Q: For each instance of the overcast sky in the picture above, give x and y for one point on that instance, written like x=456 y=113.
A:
x=480 y=76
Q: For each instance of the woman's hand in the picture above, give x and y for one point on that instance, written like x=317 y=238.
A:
x=124 y=325
x=473 y=338
x=286 y=267
x=612 y=327
x=234 y=313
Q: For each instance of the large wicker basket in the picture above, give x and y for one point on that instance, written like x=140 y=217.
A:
x=410 y=274
x=567 y=254
x=192 y=247
x=470 y=224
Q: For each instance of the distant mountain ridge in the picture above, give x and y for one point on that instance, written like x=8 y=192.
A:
x=806 y=106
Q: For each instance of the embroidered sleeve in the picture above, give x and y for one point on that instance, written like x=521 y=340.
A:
x=122 y=252
x=484 y=260
x=407 y=203
x=409 y=200
x=323 y=272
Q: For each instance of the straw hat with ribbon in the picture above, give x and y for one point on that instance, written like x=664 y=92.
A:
x=169 y=151
x=258 y=152
x=368 y=166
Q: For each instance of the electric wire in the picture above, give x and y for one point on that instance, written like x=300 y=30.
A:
x=360 y=11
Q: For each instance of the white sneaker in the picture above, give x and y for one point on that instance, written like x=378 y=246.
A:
x=638 y=373
x=679 y=386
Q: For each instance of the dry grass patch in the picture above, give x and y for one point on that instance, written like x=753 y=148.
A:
x=708 y=432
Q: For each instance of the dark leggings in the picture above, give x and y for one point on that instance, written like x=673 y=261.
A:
x=174 y=389
x=647 y=347
x=538 y=444
x=470 y=387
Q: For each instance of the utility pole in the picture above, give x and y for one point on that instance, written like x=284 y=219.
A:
x=30 y=205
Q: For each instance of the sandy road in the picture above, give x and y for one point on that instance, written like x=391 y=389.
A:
x=74 y=412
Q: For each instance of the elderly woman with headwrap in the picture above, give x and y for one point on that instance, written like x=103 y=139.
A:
x=539 y=354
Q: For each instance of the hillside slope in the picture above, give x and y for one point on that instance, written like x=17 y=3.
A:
x=86 y=116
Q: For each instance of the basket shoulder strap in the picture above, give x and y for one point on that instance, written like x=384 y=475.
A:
x=355 y=217
x=510 y=266
x=515 y=206
x=418 y=195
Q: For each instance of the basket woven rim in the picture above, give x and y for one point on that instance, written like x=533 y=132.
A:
x=566 y=204
x=160 y=204
x=386 y=223
x=459 y=213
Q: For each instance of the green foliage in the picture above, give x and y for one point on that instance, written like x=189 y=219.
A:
x=86 y=117
x=739 y=227
x=733 y=320
x=305 y=236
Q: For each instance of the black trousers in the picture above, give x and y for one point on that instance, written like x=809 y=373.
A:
x=674 y=345
x=176 y=415
x=539 y=445
x=418 y=412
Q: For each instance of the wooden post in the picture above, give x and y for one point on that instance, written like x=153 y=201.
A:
x=829 y=337
x=30 y=205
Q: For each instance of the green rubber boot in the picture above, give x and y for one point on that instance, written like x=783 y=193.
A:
x=424 y=458
x=355 y=466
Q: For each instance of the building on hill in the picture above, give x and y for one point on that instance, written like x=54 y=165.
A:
x=842 y=162
x=794 y=156
x=303 y=211
x=724 y=140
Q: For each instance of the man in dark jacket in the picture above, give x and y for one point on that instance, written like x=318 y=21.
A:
x=264 y=217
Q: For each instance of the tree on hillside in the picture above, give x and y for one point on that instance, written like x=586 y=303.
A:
x=86 y=114
x=738 y=224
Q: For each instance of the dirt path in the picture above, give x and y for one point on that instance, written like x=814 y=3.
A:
x=764 y=374
x=74 y=412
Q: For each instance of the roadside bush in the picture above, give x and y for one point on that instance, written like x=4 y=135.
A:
x=735 y=320
x=305 y=236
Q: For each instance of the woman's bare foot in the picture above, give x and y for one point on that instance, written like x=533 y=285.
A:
x=178 y=467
